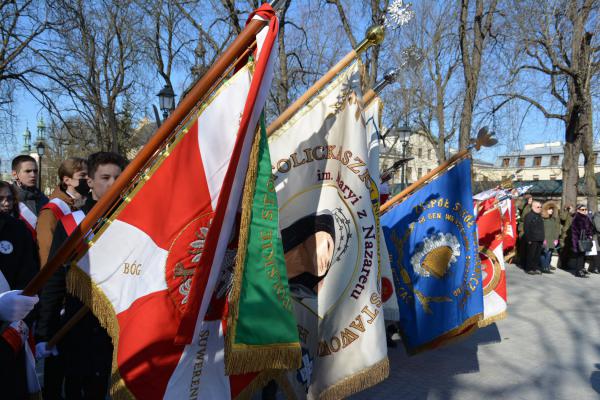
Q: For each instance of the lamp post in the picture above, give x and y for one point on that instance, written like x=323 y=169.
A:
x=41 y=150
x=40 y=147
x=405 y=131
x=166 y=99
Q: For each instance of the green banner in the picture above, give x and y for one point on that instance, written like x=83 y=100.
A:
x=262 y=331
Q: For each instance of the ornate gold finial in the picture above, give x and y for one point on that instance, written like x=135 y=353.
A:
x=375 y=34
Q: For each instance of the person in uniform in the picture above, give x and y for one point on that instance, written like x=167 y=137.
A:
x=86 y=349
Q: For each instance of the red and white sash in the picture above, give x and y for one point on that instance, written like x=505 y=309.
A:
x=59 y=208
x=72 y=220
x=27 y=216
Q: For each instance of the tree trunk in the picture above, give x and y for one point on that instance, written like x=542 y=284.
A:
x=587 y=133
x=572 y=149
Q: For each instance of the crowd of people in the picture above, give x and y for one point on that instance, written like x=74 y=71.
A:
x=570 y=234
x=32 y=229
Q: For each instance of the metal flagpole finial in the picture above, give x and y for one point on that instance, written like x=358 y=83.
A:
x=276 y=3
x=389 y=77
x=485 y=138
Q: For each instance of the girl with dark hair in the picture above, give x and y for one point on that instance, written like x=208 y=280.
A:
x=9 y=202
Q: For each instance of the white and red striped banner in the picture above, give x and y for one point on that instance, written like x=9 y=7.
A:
x=154 y=267
x=489 y=228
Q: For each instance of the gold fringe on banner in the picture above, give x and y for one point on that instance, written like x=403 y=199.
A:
x=464 y=330
x=490 y=320
x=359 y=381
x=80 y=285
x=242 y=358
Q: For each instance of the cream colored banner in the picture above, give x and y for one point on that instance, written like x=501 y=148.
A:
x=330 y=238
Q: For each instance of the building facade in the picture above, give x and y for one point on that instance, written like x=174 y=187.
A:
x=536 y=162
x=401 y=144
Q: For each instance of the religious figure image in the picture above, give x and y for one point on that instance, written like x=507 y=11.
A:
x=309 y=245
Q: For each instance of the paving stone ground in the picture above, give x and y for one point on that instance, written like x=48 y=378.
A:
x=547 y=348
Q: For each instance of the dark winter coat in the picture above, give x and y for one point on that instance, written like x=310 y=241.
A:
x=33 y=198
x=87 y=348
x=19 y=266
x=533 y=228
x=581 y=223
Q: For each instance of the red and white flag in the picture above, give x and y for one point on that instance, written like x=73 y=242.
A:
x=152 y=267
x=509 y=227
x=489 y=228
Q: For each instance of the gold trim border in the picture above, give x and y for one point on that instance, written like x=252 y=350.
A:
x=357 y=382
x=462 y=331
x=494 y=318
x=80 y=285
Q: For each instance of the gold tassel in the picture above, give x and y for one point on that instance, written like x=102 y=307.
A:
x=359 y=381
x=80 y=285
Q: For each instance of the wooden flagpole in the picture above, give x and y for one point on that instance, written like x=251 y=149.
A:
x=198 y=92
x=424 y=179
x=485 y=138
x=374 y=36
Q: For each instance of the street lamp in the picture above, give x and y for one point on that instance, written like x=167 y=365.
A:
x=404 y=131
x=41 y=150
x=166 y=99
x=40 y=147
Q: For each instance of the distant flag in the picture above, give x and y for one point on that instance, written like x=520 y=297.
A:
x=330 y=239
x=432 y=239
x=489 y=228
x=152 y=266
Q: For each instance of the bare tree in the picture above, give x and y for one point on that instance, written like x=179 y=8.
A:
x=21 y=24
x=436 y=87
x=93 y=67
x=557 y=40
x=476 y=20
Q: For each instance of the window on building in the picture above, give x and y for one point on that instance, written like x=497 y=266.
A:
x=419 y=172
x=553 y=177
x=554 y=160
x=408 y=173
x=521 y=161
x=420 y=152
x=537 y=161
x=536 y=177
x=428 y=170
x=429 y=154
x=505 y=162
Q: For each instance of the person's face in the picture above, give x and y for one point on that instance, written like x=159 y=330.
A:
x=529 y=201
x=7 y=201
x=27 y=174
x=536 y=207
x=103 y=179
x=73 y=182
x=582 y=210
x=550 y=211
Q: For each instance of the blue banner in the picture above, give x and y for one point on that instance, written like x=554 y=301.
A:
x=432 y=241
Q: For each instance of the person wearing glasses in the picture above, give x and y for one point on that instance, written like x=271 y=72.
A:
x=581 y=231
